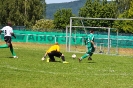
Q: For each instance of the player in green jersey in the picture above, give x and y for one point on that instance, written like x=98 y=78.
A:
x=89 y=42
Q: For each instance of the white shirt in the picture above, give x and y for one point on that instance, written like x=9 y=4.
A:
x=7 y=30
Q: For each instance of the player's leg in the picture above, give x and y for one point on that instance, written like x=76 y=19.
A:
x=8 y=41
x=63 y=59
x=11 y=47
x=84 y=56
x=51 y=56
x=12 y=50
x=60 y=55
x=4 y=46
x=89 y=48
x=6 y=38
x=91 y=53
x=93 y=50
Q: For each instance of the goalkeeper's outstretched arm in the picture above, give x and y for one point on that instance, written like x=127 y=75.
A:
x=44 y=57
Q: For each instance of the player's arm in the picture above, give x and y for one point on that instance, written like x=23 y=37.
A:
x=45 y=55
x=13 y=35
x=85 y=41
x=48 y=51
x=93 y=43
x=1 y=31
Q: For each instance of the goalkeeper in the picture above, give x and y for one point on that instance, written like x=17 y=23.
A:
x=54 y=51
x=90 y=46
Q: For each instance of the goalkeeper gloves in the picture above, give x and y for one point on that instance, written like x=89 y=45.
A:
x=43 y=58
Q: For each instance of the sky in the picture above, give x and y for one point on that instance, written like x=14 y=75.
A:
x=60 y=1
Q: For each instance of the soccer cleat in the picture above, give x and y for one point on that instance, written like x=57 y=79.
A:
x=65 y=62
x=89 y=58
x=47 y=59
x=79 y=59
x=15 y=57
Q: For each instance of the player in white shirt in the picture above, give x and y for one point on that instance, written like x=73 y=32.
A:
x=8 y=33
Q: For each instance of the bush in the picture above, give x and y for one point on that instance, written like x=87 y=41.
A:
x=43 y=25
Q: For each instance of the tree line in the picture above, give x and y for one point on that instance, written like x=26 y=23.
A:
x=32 y=14
x=21 y=12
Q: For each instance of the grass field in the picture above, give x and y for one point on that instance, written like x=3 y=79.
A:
x=28 y=71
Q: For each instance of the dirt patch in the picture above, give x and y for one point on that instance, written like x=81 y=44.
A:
x=82 y=48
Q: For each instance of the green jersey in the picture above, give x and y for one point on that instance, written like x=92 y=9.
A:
x=90 y=38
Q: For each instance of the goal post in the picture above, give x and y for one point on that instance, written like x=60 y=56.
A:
x=69 y=38
x=110 y=41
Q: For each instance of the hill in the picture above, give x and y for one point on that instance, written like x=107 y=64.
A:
x=52 y=8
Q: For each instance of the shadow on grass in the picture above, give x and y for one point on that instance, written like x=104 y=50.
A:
x=57 y=61
x=9 y=57
x=6 y=57
x=91 y=62
x=54 y=61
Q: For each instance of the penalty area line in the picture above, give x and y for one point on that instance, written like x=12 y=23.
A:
x=39 y=71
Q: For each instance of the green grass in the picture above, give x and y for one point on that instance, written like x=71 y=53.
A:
x=28 y=71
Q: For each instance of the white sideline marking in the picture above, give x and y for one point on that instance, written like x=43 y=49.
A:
x=14 y=68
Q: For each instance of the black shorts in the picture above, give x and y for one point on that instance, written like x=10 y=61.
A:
x=8 y=39
x=55 y=53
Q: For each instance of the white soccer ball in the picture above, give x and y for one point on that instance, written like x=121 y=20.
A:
x=74 y=56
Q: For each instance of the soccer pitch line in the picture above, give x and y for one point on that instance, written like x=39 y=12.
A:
x=39 y=71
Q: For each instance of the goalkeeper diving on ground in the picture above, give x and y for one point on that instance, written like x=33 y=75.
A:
x=54 y=51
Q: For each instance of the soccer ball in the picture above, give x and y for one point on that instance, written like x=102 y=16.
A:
x=74 y=56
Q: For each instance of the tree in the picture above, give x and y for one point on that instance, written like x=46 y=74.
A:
x=98 y=9
x=62 y=18
x=86 y=10
x=123 y=5
x=21 y=12
x=126 y=26
x=3 y=11
x=108 y=10
x=43 y=25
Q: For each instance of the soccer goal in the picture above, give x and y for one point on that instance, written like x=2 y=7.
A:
x=107 y=40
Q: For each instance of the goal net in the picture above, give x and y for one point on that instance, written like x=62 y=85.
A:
x=107 y=39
